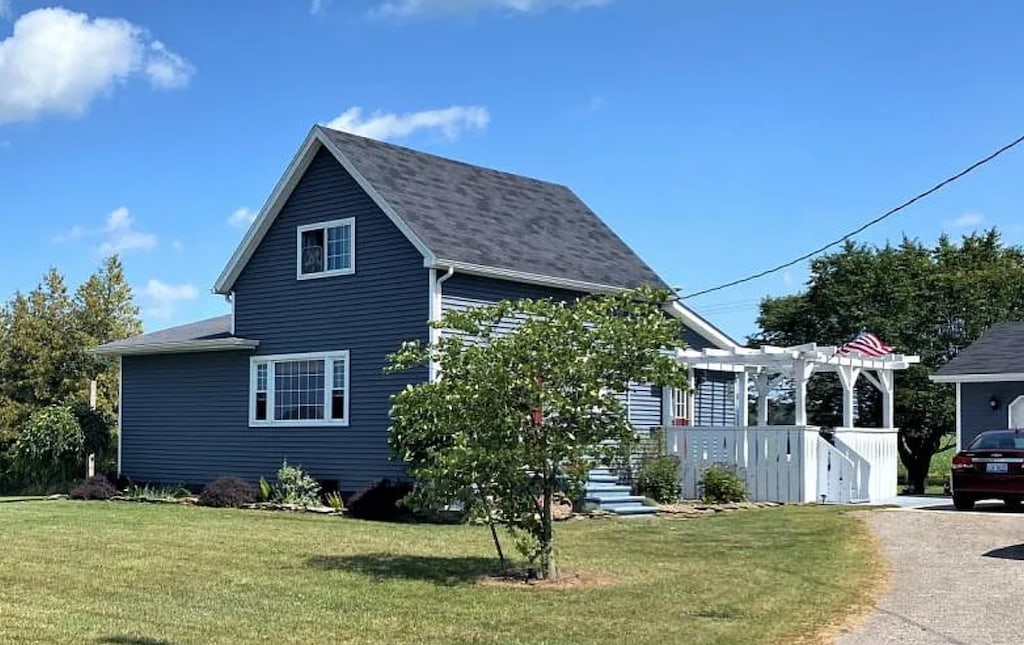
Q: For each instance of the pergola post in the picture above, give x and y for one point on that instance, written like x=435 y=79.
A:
x=848 y=377
x=801 y=373
x=887 y=377
x=742 y=410
x=884 y=380
x=761 y=384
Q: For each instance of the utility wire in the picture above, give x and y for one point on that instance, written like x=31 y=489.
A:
x=937 y=187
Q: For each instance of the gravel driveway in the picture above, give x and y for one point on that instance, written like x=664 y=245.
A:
x=957 y=578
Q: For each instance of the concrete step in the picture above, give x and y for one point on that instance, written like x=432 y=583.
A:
x=609 y=499
x=605 y=486
x=607 y=478
x=638 y=510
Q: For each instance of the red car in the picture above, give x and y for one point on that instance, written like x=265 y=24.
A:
x=991 y=467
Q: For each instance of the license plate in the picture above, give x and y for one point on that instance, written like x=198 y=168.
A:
x=995 y=467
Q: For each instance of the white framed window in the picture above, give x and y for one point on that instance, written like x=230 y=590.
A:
x=326 y=249
x=679 y=407
x=299 y=389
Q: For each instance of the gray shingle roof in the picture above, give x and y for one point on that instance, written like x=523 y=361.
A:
x=465 y=213
x=1000 y=350
x=209 y=329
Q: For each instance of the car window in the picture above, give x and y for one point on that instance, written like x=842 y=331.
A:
x=998 y=441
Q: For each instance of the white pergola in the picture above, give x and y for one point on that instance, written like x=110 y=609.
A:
x=769 y=363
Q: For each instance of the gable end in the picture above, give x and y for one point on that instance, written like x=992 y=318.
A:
x=314 y=142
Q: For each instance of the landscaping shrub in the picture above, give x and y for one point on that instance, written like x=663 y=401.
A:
x=721 y=483
x=659 y=479
x=333 y=500
x=227 y=492
x=296 y=487
x=50 y=449
x=156 y=491
x=266 y=490
x=96 y=487
x=380 y=502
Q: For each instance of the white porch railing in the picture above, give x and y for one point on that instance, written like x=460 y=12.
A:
x=791 y=463
x=772 y=460
x=876 y=456
x=838 y=476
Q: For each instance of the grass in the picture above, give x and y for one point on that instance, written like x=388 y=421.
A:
x=138 y=574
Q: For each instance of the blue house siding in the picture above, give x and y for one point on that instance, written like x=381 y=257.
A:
x=714 y=402
x=714 y=398
x=976 y=415
x=369 y=313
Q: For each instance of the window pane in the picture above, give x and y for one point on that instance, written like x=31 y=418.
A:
x=299 y=390
x=338 y=404
x=339 y=248
x=313 y=251
x=261 y=378
x=339 y=374
x=261 y=406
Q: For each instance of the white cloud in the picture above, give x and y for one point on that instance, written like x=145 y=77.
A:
x=58 y=61
x=318 y=6
x=436 y=7
x=163 y=298
x=451 y=122
x=968 y=220
x=242 y=218
x=121 y=234
x=166 y=69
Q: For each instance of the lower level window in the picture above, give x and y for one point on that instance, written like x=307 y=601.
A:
x=299 y=389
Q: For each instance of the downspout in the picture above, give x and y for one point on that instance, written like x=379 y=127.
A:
x=436 y=312
x=230 y=298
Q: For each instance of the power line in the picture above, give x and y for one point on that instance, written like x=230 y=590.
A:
x=939 y=186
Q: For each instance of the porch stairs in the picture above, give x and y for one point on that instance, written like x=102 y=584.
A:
x=604 y=491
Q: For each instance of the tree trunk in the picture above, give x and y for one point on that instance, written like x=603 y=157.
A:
x=547 y=557
x=917 y=472
x=494 y=531
x=916 y=455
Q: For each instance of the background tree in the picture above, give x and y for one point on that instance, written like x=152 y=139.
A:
x=519 y=415
x=45 y=336
x=105 y=311
x=926 y=301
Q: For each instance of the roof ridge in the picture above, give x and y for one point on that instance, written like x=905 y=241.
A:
x=421 y=153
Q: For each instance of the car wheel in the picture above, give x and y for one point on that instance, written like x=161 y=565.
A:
x=962 y=502
x=1013 y=503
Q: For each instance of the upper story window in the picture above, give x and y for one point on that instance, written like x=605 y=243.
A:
x=326 y=249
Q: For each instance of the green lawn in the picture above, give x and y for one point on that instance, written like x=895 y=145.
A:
x=137 y=574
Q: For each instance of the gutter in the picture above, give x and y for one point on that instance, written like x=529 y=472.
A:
x=176 y=347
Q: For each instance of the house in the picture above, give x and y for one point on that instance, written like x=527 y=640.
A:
x=989 y=380
x=359 y=246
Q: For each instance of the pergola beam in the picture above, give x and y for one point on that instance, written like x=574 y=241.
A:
x=798 y=363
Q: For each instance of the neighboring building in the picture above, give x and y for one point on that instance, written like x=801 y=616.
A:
x=989 y=380
x=359 y=246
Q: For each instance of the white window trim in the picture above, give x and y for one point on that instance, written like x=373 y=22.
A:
x=270 y=360
x=1009 y=412
x=348 y=221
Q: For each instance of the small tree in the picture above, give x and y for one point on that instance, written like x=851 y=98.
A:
x=527 y=403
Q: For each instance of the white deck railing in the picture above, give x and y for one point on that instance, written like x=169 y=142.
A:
x=790 y=463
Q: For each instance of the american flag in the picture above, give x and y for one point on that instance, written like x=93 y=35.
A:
x=865 y=344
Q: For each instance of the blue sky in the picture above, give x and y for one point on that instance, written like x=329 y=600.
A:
x=716 y=138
